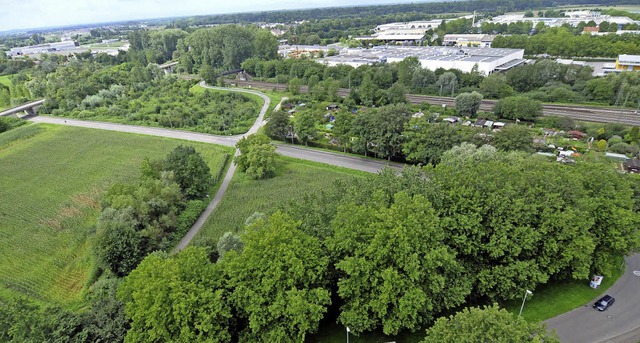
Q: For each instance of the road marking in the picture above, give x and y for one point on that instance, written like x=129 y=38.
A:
x=636 y=272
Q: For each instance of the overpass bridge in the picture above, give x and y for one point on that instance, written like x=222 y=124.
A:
x=168 y=67
x=29 y=109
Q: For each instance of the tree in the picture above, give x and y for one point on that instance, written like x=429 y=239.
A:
x=342 y=129
x=396 y=94
x=468 y=153
x=601 y=145
x=177 y=299
x=278 y=281
x=305 y=126
x=228 y=242
x=447 y=82
x=107 y=320
x=468 y=104
x=386 y=125
x=425 y=142
x=487 y=324
x=257 y=156
x=190 y=171
x=119 y=246
x=395 y=270
x=513 y=137
x=495 y=86
x=518 y=107
x=208 y=74
x=279 y=125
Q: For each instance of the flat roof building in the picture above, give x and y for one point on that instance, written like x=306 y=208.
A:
x=628 y=63
x=42 y=48
x=487 y=60
x=574 y=19
x=479 y=40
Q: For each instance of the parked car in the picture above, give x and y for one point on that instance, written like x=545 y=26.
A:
x=604 y=303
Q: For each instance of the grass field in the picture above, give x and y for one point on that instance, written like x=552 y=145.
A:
x=557 y=298
x=245 y=196
x=50 y=185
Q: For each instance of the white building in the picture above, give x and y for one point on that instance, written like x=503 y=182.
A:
x=42 y=48
x=476 y=40
x=487 y=60
x=574 y=19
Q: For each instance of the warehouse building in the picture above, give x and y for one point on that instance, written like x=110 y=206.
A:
x=42 y=48
x=476 y=40
x=628 y=63
x=487 y=60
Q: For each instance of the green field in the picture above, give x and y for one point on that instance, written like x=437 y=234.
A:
x=50 y=187
x=245 y=196
x=557 y=298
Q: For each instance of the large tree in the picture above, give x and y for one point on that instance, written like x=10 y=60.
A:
x=468 y=104
x=278 y=280
x=426 y=142
x=395 y=270
x=518 y=107
x=488 y=324
x=257 y=156
x=190 y=171
x=177 y=299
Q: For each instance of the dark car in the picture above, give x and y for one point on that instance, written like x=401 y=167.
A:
x=604 y=303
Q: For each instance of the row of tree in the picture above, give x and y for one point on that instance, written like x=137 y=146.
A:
x=382 y=84
x=562 y=42
x=396 y=132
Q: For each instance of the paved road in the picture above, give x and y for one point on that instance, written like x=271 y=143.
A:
x=619 y=324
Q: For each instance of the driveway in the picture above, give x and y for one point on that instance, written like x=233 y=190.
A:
x=618 y=324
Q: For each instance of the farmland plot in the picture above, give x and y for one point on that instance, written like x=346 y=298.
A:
x=50 y=186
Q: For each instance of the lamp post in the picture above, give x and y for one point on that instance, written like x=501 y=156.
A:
x=348 y=334
x=527 y=292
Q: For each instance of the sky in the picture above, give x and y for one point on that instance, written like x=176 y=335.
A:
x=22 y=14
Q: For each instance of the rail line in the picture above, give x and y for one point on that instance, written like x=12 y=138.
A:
x=577 y=112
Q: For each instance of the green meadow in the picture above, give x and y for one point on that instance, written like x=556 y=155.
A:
x=294 y=178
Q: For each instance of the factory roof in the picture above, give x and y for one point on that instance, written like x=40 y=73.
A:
x=436 y=53
x=629 y=59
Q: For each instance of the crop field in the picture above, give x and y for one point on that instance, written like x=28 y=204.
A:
x=245 y=196
x=51 y=180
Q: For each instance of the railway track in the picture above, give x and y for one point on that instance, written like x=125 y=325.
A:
x=576 y=112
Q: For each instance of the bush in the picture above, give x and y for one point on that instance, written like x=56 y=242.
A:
x=189 y=216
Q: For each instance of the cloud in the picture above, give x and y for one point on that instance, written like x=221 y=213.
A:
x=21 y=14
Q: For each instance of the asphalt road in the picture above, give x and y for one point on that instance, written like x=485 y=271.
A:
x=340 y=160
x=618 y=324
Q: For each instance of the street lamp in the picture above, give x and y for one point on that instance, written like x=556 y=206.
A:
x=348 y=334
x=527 y=292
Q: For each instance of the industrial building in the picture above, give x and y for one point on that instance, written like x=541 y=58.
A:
x=573 y=19
x=42 y=48
x=628 y=63
x=397 y=35
x=476 y=40
x=487 y=60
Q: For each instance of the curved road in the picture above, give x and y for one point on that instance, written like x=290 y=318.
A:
x=346 y=161
x=618 y=324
